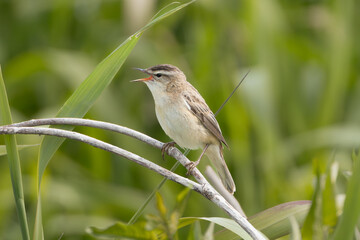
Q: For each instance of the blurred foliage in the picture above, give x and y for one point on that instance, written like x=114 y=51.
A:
x=299 y=102
x=164 y=225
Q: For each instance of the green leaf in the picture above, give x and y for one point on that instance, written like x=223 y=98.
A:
x=170 y=223
x=14 y=161
x=312 y=222
x=181 y=202
x=38 y=228
x=163 y=13
x=87 y=93
x=161 y=207
x=295 y=229
x=195 y=232
x=322 y=215
x=121 y=230
x=84 y=97
x=328 y=199
x=3 y=151
x=346 y=227
x=273 y=222
x=209 y=234
x=90 y=89
x=182 y=197
x=224 y=222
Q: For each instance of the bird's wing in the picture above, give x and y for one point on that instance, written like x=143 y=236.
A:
x=196 y=104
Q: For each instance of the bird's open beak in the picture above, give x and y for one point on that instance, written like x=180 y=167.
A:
x=142 y=79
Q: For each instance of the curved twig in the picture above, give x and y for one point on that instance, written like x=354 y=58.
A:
x=105 y=146
x=90 y=123
x=203 y=187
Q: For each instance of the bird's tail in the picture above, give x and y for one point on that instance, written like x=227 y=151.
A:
x=214 y=153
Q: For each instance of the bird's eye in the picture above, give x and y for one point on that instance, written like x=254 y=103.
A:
x=158 y=75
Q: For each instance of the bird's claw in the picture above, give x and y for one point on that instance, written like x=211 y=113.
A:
x=165 y=148
x=190 y=166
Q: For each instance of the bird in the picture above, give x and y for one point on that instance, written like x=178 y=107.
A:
x=186 y=118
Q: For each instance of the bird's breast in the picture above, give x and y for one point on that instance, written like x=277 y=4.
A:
x=182 y=125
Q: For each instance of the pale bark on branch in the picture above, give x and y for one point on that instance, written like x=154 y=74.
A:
x=202 y=186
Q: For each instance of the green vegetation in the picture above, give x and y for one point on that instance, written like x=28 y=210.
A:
x=292 y=126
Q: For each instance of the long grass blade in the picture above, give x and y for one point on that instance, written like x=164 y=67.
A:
x=84 y=96
x=14 y=161
x=87 y=93
x=141 y=209
x=350 y=217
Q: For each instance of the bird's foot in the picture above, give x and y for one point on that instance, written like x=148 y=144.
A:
x=191 y=165
x=165 y=148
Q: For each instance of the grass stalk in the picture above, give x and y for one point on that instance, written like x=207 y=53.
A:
x=14 y=161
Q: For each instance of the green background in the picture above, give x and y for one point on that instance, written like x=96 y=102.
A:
x=300 y=101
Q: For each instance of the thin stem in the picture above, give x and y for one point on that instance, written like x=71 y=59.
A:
x=105 y=146
x=91 y=123
x=141 y=209
x=231 y=94
x=14 y=162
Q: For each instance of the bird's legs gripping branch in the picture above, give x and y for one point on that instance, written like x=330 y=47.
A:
x=191 y=165
x=166 y=147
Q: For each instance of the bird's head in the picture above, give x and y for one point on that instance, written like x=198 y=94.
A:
x=161 y=74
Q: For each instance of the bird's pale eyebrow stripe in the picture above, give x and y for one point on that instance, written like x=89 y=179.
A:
x=161 y=72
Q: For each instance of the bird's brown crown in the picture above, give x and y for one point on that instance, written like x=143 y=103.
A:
x=166 y=68
x=170 y=71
